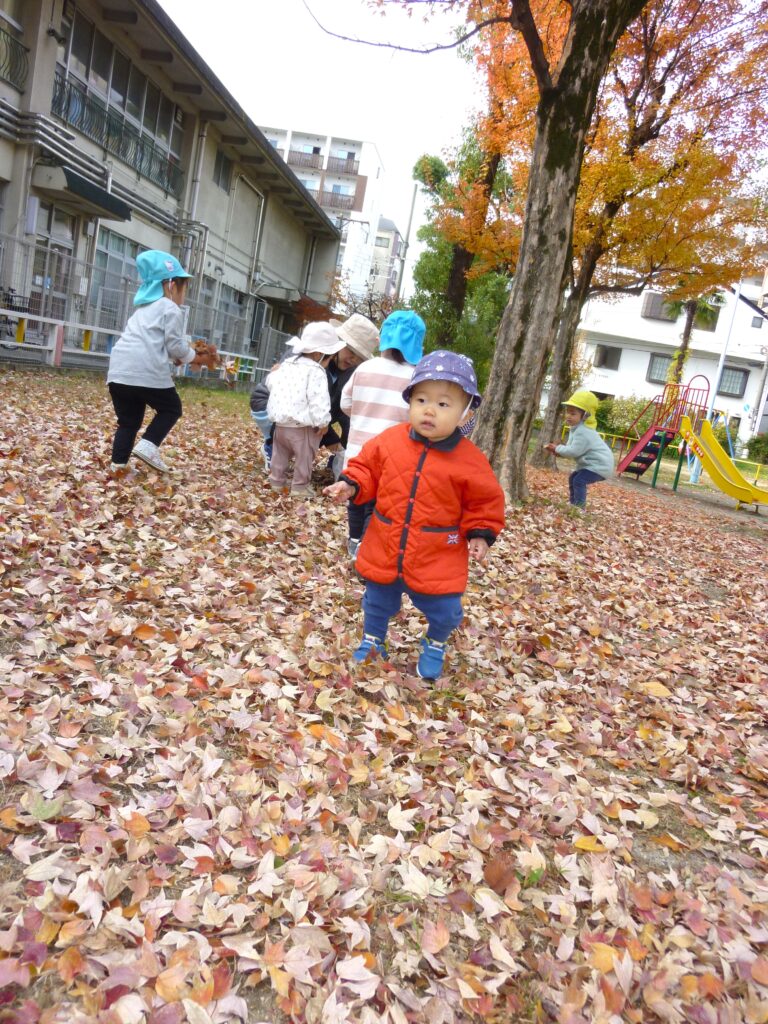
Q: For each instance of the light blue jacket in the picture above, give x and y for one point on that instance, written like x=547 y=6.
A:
x=589 y=449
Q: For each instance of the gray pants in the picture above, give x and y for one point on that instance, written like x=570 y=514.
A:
x=299 y=444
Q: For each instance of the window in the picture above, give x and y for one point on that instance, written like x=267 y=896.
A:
x=118 y=90
x=382 y=241
x=113 y=279
x=151 y=107
x=135 y=100
x=734 y=422
x=80 y=53
x=101 y=63
x=607 y=357
x=655 y=307
x=757 y=321
x=658 y=367
x=222 y=170
x=733 y=382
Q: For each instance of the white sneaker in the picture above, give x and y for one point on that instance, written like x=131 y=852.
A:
x=352 y=545
x=115 y=466
x=150 y=453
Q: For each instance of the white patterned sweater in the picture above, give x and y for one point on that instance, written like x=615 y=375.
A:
x=373 y=400
x=298 y=394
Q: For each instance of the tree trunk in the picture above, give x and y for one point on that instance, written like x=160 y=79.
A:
x=529 y=325
x=676 y=367
x=561 y=371
x=462 y=259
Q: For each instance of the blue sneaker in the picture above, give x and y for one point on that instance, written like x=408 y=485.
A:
x=370 y=646
x=431 y=659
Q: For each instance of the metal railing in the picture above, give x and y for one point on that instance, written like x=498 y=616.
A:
x=43 y=280
x=109 y=129
x=14 y=62
x=336 y=200
x=340 y=165
x=299 y=158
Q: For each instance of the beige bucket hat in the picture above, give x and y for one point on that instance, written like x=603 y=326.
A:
x=359 y=334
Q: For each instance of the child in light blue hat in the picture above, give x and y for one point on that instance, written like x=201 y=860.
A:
x=139 y=372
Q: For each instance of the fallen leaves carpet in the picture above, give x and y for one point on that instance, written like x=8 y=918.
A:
x=207 y=816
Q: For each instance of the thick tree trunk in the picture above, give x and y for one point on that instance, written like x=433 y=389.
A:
x=529 y=325
x=562 y=378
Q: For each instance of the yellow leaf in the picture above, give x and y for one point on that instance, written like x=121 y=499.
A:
x=655 y=689
x=47 y=931
x=602 y=957
x=281 y=981
x=137 y=825
x=281 y=845
x=591 y=844
x=170 y=985
x=225 y=885
x=648 y=818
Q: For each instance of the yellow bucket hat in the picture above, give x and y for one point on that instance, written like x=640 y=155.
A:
x=587 y=402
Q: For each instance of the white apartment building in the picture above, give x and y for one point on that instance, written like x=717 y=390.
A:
x=629 y=344
x=387 y=259
x=345 y=176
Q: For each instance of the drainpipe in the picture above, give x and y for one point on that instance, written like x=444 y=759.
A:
x=202 y=135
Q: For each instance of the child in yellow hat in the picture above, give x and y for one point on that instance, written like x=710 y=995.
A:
x=594 y=459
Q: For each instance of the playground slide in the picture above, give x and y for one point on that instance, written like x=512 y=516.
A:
x=721 y=470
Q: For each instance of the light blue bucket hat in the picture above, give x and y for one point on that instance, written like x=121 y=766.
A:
x=404 y=330
x=155 y=267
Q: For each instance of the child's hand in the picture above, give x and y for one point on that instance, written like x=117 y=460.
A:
x=478 y=548
x=340 y=491
x=550 y=448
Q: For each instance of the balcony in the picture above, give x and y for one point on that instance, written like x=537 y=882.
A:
x=297 y=158
x=110 y=129
x=14 y=63
x=342 y=166
x=336 y=200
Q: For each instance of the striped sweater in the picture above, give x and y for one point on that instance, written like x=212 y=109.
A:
x=372 y=398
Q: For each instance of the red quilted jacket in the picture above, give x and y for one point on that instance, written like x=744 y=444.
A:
x=431 y=498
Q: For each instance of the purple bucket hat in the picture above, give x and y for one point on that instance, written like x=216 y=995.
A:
x=450 y=366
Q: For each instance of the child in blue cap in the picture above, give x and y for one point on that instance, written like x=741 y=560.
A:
x=139 y=372
x=437 y=504
x=373 y=398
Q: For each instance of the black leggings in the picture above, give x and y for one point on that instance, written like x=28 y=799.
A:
x=130 y=404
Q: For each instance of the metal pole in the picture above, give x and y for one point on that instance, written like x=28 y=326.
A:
x=680 y=458
x=657 y=467
x=406 y=243
x=696 y=471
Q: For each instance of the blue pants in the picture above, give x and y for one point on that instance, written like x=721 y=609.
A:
x=578 y=482
x=382 y=600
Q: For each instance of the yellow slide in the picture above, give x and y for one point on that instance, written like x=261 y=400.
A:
x=721 y=469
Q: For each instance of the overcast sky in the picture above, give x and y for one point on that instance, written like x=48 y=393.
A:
x=286 y=72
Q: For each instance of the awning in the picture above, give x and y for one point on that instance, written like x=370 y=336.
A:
x=278 y=293
x=62 y=184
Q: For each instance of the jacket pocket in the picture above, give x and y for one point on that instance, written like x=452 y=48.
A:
x=440 y=529
x=381 y=518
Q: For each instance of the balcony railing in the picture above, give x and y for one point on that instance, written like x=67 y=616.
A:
x=336 y=200
x=109 y=129
x=340 y=165
x=14 y=63
x=300 y=159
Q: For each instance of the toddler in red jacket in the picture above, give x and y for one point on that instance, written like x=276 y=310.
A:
x=437 y=504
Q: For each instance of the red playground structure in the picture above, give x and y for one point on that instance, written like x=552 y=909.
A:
x=659 y=423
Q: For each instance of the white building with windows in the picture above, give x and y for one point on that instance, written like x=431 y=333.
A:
x=115 y=137
x=387 y=259
x=345 y=176
x=629 y=344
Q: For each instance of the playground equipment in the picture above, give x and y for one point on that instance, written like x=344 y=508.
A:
x=682 y=409
x=659 y=423
x=721 y=469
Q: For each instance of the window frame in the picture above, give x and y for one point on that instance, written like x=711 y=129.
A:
x=744 y=378
x=603 y=365
x=658 y=355
x=222 y=163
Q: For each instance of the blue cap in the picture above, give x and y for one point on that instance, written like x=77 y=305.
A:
x=450 y=366
x=155 y=267
x=404 y=330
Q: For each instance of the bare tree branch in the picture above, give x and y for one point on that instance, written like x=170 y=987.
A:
x=507 y=20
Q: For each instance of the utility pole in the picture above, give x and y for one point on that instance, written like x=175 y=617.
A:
x=406 y=243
